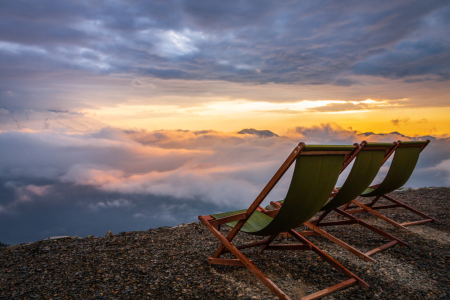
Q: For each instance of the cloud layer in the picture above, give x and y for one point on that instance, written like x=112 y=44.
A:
x=57 y=183
x=316 y=41
x=48 y=49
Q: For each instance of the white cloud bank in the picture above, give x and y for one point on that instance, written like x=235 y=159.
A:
x=88 y=183
x=225 y=169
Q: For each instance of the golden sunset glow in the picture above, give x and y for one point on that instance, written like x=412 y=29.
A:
x=368 y=115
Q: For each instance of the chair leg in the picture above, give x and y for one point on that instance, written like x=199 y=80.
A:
x=348 y=206
x=343 y=208
x=321 y=217
x=364 y=256
x=375 y=200
x=371 y=208
x=245 y=261
x=415 y=211
x=339 y=242
x=242 y=260
x=330 y=260
x=384 y=234
x=373 y=228
x=249 y=245
x=269 y=240
x=377 y=214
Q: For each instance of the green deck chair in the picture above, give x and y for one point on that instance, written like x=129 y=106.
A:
x=403 y=164
x=315 y=173
x=369 y=159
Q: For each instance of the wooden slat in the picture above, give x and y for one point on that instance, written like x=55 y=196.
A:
x=417 y=222
x=288 y=247
x=388 y=154
x=324 y=153
x=348 y=159
x=372 y=203
x=321 y=217
x=346 y=222
x=244 y=261
x=355 y=211
x=339 y=242
x=330 y=260
x=330 y=290
x=410 y=208
x=304 y=233
x=386 y=206
x=307 y=233
x=228 y=219
x=269 y=240
x=249 y=245
x=373 y=228
x=373 y=212
x=374 y=148
x=226 y=261
x=381 y=248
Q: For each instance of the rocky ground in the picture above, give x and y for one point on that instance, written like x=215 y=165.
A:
x=170 y=263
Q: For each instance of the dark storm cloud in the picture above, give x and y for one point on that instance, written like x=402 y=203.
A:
x=49 y=49
x=255 y=41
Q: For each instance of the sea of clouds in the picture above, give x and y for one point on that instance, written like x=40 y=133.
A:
x=81 y=183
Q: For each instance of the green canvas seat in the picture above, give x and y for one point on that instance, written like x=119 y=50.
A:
x=366 y=167
x=402 y=166
x=401 y=169
x=316 y=170
x=312 y=182
x=368 y=162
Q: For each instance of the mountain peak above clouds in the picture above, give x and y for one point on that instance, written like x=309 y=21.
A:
x=260 y=133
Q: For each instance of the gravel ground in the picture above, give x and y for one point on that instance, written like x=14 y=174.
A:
x=170 y=263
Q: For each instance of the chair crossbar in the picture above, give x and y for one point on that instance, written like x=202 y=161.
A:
x=372 y=209
x=242 y=261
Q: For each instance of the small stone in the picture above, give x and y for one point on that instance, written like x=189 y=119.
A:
x=163 y=264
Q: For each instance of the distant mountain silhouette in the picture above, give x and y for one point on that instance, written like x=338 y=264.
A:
x=394 y=132
x=260 y=133
x=3 y=245
x=417 y=138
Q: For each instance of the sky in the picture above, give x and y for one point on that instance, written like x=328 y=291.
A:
x=125 y=115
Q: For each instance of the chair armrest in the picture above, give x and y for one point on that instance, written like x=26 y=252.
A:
x=228 y=219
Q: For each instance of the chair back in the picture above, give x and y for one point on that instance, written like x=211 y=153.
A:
x=402 y=166
x=315 y=174
x=367 y=164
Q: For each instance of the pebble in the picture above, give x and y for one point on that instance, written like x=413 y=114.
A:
x=168 y=263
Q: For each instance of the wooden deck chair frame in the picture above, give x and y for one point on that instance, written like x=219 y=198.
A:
x=372 y=209
x=316 y=224
x=241 y=218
